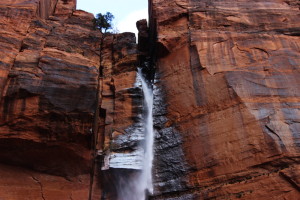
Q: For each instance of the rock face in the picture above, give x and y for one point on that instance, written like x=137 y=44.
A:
x=49 y=77
x=228 y=75
x=226 y=107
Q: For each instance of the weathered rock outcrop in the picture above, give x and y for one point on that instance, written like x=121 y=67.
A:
x=226 y=107
x=228 y=73
x=49 y=75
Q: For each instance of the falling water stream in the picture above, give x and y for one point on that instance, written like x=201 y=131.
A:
x=140 y=186
x=146 y=175
x=143 y=183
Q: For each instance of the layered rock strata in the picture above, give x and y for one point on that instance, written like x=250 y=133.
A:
x=228 y=72
x=49 y=76
x=226 y=101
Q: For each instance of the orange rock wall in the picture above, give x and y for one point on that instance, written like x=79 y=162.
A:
x=229 y=74
x=226 y=99
x=49 y=70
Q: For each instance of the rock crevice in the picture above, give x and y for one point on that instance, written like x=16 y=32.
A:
x=226 y=87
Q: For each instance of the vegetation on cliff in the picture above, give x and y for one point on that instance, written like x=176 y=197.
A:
x=103 y=22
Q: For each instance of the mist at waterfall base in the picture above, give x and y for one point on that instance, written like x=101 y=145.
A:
x=139 y=185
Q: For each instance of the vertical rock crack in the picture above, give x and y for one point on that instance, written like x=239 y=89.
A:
x=41 y=186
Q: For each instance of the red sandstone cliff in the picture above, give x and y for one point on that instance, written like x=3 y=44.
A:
x=226 y=100
x=49 y=69
x=229 y=75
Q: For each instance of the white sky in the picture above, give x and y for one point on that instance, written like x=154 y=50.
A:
x=126 y=12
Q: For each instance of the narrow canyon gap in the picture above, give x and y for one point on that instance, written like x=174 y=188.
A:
x=226 y=105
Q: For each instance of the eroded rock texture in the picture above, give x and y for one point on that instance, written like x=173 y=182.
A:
x=228 y=75
x=49 y=70
x=226 y=101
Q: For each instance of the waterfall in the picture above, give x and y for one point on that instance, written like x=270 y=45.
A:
x=146 y=175
x=139 y=185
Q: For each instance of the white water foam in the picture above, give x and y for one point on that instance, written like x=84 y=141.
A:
x=139 y=185
x=149 y=135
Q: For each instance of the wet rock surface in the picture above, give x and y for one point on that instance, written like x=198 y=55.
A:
x=226 y=107
x=49 y=76
x=229 y=74
x=170 y=166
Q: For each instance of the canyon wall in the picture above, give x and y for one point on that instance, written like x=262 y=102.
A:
x=49 y=77
x=226 y=101
x=227 y=73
